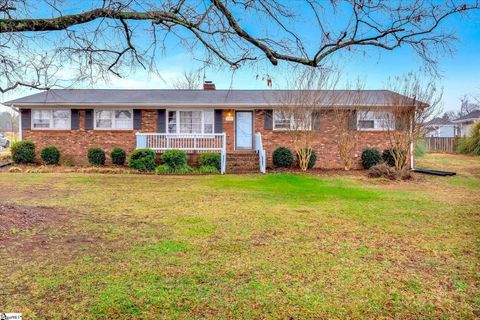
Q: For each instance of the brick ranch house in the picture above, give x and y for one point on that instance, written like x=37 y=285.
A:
x=243 y=125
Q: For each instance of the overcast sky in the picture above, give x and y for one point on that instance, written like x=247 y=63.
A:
x=460 y=73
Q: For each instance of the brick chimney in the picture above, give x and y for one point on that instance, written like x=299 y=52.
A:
x=208 y=85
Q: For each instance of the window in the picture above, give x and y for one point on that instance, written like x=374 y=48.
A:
x=375 y=120
x=51 y=119
x=190 y=121
x=283 y=120
x=114 y=119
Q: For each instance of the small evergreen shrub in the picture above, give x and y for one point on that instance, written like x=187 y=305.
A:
x=471 y=144
x=96 y=156
x=210 y=160
x=282 y=157
x=118 y=156
x=208 y=169
x=371 y=157
x=389 y=159
x=163 y=169
x=23 y=152
x=50 y=155
x=184 y=169
x=174 y=158
x=312 y=160
x=420 y=148
x=142 y=160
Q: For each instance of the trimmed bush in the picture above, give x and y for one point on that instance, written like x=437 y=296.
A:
x=208 y=169
x=312 y=160
x=118 y=156
x=174 y=158
x=387 y=156
x=210 y=160
x=163 y=169
x=50 y=155
x=142 y=160
x=282 y=158
x=23 y=152
x=371 y=157
x=96 y=156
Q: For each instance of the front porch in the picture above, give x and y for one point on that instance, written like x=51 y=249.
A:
x=193 y=143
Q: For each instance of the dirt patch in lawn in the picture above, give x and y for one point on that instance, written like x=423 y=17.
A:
x=15 y=218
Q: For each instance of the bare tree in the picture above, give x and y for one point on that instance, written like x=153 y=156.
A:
x=346 y=136
x=46 y=42
x=408 y=113
x=299 y=110
x=189 y=80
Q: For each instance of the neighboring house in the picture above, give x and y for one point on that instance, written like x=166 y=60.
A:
x=441 y=128
x=233 y=122
x=466 y=122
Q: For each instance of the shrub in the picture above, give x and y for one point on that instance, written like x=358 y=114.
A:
x=471 y=144
x=371 y=157
x=96 y=156
x=174 y=158
x=208 y=169
x=383 y=170
x=142 y=160
x=118 y=156
x=50 y=155
x=210 y=160
x=312 y=160
x=389 y=159
x=184 y=169
x=23 y=152
x=163 y=169
x=420 y=148
x=282 y=157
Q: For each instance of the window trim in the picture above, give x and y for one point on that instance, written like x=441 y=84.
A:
x=113 y=128
x=177 y=120
x=51 y=122
x=375 y=121
x=292 y=122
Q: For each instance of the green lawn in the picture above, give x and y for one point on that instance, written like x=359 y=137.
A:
x=246 y=247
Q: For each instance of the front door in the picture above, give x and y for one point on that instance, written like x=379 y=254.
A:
x=244 y=130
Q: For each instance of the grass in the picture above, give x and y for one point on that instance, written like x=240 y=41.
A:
x=243 y=247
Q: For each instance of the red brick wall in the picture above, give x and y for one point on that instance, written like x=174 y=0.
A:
x=74 y=144
x=325 y=147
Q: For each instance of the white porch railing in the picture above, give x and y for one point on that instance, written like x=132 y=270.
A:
x=262 y=158
x=159 y=142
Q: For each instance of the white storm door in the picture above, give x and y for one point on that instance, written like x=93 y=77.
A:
x=244 y=130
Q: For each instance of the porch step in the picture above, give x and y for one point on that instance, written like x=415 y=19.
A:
x=242 y=162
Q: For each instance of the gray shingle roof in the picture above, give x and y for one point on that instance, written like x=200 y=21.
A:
x=439 y=121
x=475 y=114
x=221 y=98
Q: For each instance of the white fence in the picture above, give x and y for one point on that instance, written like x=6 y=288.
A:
x=160 y=142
